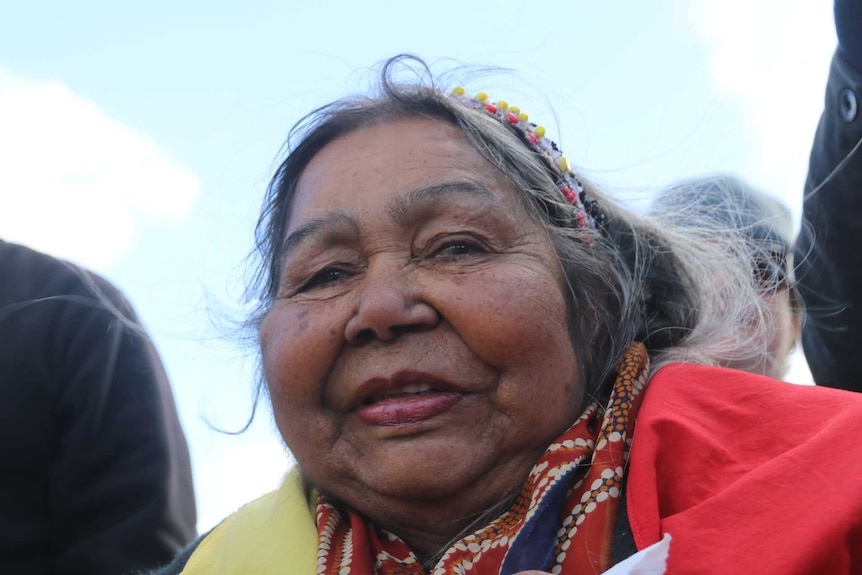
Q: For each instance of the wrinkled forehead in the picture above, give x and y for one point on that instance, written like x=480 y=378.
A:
x=370 y=167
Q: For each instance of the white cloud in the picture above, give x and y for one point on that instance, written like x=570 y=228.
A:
x=74 y=182
x=771 y=57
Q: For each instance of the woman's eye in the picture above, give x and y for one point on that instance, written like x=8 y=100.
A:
x=459 y=248
x=324 y=278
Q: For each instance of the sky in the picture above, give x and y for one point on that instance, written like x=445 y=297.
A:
x=137 y=140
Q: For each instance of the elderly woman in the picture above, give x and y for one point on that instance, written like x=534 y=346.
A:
x=461 y=343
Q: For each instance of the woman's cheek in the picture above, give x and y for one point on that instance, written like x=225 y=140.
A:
x=507 y=303
x=299 y=346
x=296 y=353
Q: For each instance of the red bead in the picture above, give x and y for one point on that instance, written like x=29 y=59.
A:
x=533 y=139
x=491 y=108
x=512 y=118
x=582 y=221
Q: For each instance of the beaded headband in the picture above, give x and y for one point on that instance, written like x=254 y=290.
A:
x=588 y=214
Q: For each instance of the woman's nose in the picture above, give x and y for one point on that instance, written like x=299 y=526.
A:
x=388 y=305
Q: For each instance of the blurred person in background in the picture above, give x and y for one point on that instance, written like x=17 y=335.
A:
x=94 y=469
x=725 y=205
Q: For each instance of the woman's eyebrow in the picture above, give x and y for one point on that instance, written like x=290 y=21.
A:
x=416 y=203
x=404 y=210
x=315 y=226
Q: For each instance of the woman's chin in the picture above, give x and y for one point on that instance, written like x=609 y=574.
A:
x=422 y=472
x=436 y=476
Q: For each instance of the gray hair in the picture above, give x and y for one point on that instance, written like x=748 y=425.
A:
x=738 y=242
x=631 y=280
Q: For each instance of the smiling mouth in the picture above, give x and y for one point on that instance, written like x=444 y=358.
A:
x=407 y=391
x=407 y=405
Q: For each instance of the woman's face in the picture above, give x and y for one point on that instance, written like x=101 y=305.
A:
x=417 y=353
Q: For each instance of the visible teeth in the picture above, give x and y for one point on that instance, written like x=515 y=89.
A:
x=412 y=389
x=415 y=388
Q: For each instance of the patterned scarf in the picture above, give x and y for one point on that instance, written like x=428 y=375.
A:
x=561 y=522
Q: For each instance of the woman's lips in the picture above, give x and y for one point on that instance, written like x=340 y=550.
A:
x=406 y=409
x=404 y=398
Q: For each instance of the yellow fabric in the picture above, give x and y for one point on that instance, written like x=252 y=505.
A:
x=275 y=534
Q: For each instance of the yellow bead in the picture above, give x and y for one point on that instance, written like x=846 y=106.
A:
x=515 y=110
x=563 y=164
x=458 y=91
x=523 y=117
x=540 y=131
x=503 y=105
x=481 y=96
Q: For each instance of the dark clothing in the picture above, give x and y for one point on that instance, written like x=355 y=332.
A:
x=848 y=17
x=94 y=468
x=176 y=566
x=827 y=252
